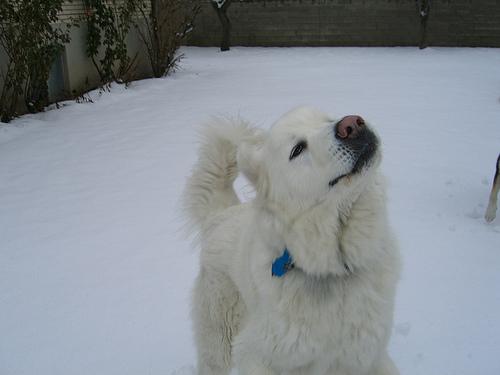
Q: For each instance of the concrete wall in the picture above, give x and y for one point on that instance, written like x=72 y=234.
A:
x=80 y=73
x=351 y=23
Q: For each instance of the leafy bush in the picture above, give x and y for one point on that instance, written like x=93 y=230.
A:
x=32 y=40
x=108 y=23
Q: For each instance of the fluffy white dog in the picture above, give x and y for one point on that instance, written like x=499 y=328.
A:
x=302 y=279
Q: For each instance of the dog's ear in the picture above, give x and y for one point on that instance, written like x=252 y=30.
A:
x=250 y=157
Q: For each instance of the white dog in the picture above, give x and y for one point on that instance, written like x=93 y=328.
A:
x=302 y=279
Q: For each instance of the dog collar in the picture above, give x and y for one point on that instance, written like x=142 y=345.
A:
x=282 y=264
x=285 y=263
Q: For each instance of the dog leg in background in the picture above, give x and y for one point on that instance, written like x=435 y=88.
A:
x=216 y=316
x=491 y=211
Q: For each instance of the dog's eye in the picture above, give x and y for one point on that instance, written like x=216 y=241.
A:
x=297 y=149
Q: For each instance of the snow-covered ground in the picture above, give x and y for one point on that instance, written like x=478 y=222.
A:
x=95 y=274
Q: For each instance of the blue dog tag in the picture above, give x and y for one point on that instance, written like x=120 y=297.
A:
x=282 y=264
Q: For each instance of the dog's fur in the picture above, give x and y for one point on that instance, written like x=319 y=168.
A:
x=332 y=313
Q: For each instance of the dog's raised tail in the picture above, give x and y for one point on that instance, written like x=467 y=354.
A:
x=209 y=189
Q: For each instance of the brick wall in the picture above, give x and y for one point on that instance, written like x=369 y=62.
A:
x=351 y=23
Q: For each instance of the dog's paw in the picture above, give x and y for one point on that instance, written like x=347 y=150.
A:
x=490 y=214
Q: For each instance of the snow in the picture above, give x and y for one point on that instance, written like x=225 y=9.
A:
x=95 y=274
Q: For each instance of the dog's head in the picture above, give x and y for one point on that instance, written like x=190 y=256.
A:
x=307 y=158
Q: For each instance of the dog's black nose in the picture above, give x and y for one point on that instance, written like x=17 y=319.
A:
x=349 y=127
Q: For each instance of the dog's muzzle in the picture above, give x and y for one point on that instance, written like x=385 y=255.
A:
x=353 y=132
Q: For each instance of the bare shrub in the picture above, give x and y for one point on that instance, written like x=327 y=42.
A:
x=164 y=25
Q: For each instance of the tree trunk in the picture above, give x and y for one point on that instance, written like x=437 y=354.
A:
x=424 y=7
x=36 y=93
x=37 y=96
x=226 y=24
x=158 y=65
